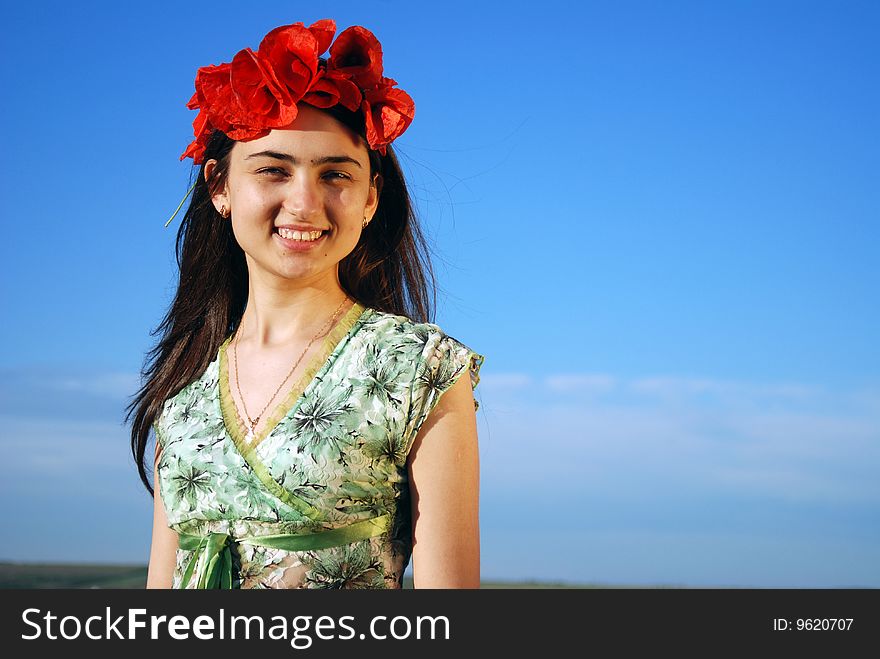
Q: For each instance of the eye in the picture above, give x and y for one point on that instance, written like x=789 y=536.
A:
x=272 y=171
x=338 y=176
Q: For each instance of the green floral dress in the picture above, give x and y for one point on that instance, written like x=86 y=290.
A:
x=319 y=498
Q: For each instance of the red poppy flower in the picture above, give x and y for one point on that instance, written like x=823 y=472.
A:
x=213 y=94
x=388 y=112
x=258 y=91
x=290 y=57
x=260 y=99
x=202 y=130
x=357 y=53
x=330 y=89
x=323 y=32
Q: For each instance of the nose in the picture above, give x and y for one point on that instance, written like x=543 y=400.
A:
x=302 y=196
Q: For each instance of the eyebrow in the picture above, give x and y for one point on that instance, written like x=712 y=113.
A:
x=286 y=157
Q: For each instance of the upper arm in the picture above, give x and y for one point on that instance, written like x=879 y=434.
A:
x=443 y=467
x=163 y=549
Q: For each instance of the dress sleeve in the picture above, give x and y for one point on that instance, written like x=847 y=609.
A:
x=160 y=442
x=443 y=361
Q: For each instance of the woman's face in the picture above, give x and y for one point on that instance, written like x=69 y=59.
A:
x=312 y=176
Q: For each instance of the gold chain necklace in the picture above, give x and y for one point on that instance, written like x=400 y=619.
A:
x=253 y=422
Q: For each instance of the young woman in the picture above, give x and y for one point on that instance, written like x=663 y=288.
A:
x=313 y=428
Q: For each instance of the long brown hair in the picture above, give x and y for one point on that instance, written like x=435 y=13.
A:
x=389 y=270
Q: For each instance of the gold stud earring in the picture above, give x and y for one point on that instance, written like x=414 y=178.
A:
x=223 y=211
x=365 y=223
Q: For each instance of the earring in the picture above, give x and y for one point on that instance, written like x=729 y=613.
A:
x=365 y=223
x=223 y=211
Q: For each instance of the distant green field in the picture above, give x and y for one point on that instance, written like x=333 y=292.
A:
x=34 y=575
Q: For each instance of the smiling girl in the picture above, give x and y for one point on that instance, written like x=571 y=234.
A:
x=313 y=429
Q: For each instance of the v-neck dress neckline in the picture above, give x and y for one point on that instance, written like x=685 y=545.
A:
x=232 y=420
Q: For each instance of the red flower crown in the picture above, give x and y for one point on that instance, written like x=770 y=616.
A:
x=258 y=91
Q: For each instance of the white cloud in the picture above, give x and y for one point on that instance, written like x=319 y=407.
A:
x=676 y=388
x=581 y=383
x=505 y=380
x=594 y=433
x=50 y=448
x=112 y=385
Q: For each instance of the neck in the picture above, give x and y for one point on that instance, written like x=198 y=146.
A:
x=278 y=313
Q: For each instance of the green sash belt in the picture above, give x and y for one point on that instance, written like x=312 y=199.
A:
x=212 y=556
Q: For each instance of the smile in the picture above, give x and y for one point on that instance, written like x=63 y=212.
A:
x=299 y=240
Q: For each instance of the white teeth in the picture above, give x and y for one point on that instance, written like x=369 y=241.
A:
x=305 y=236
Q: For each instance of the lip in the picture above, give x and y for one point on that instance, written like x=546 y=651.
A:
x=299 y=245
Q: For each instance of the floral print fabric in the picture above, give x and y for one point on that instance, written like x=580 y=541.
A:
x=335 y=453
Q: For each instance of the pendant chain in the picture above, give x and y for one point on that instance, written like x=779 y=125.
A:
x=253 y=422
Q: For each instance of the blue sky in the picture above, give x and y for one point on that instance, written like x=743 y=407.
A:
x=657 y=220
